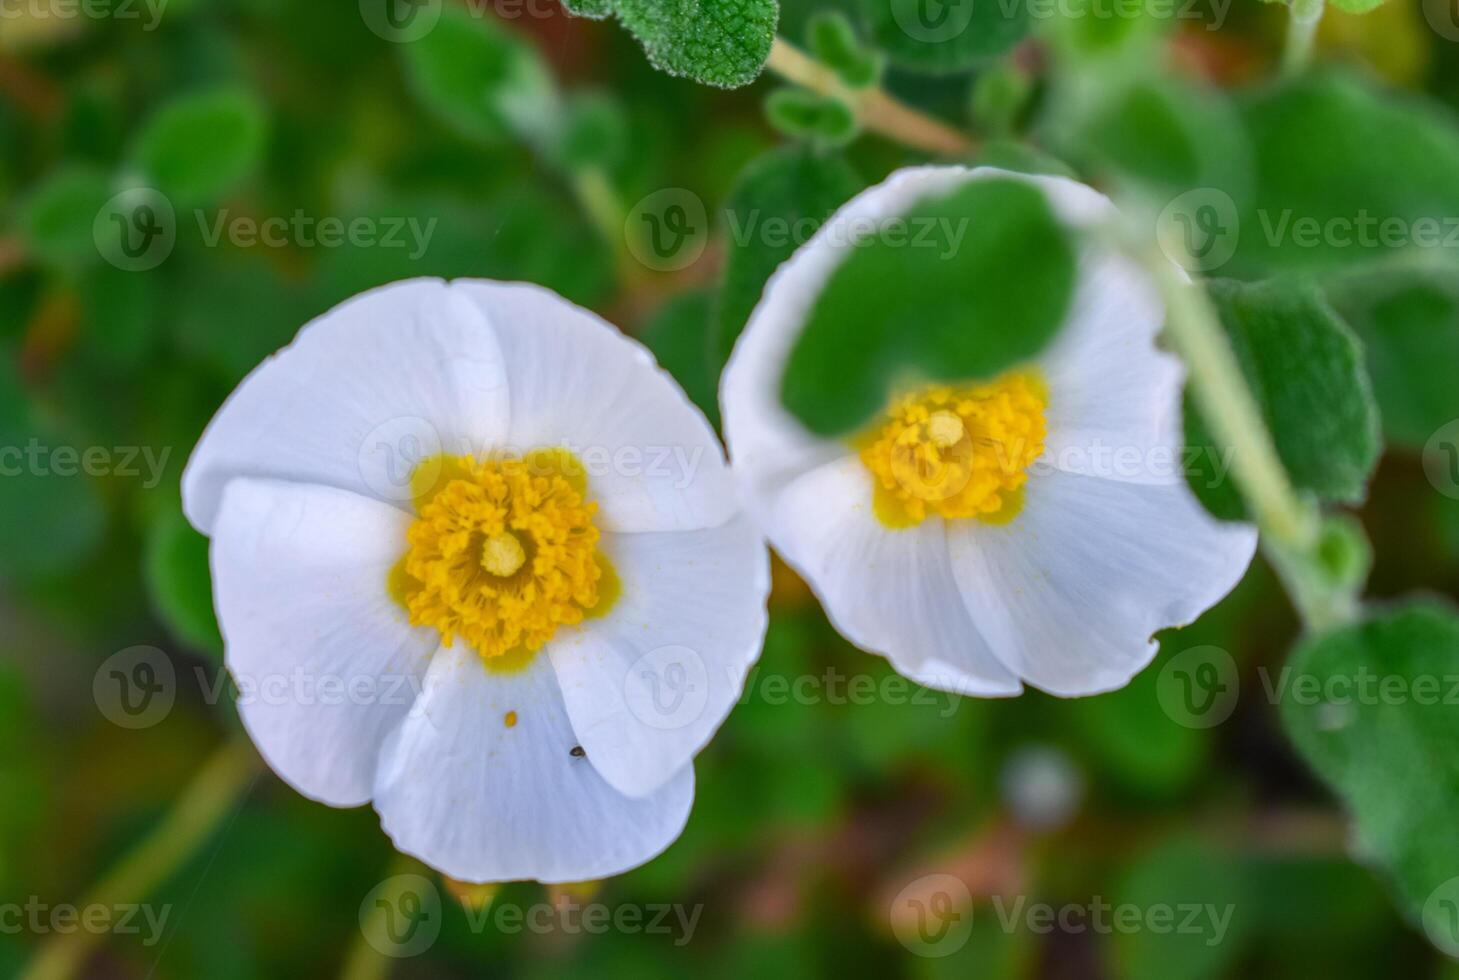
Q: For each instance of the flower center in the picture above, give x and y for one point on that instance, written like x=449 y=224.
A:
x=956 y=452
x=502 y=552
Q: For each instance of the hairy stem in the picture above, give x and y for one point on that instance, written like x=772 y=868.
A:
x=877 y=111
x=1301 y=33
x=1289 y=524
x=212 y=796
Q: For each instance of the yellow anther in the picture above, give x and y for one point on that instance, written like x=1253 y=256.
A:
x=956 y=453
x=503 y=553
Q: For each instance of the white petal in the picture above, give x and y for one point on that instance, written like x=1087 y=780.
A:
x=362 y=394
x=481 y=801
x=1114 y=397
x=653 y=461
x=889 y=592
x=647 y=686
x=1070 y=592
x=326 y=664
x=769 y=446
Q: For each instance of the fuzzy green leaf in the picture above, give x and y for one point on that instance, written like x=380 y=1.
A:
x=945 y=36
x=715 y=42
x=481 y=80
x=175 y=567
x=1305 y=368
x=778 y=203
x=201 y=145
x=1369 y=708
x=984 y=291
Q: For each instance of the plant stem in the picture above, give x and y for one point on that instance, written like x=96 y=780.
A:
x=212 y=796
x=1229 y=408
x=1289 y=525
x=1301 y=33
x=876 y=110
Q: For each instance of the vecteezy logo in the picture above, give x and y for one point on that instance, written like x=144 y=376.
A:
x=1199 y=687
x=400 y=458
x=135 y=688
x=933 y=21
x=401 y=21
x=1441 y=917
x=136 y=230
x=667 y=688
x=1199 y=229
x=668 y=230
x=1443 y=17
x=933 y=915
x=1441 y=459
x=401 y=916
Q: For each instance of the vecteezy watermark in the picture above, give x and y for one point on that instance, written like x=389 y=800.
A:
x=403 y=21
x=125 y=919
x=135 y=688
x=1441 y=459
x=1443 y=17
x=401 y=917
x=149 y=12
x=940 y=21
x=667 y=688
x=1441 y=917
x=1199 y=687
x=301 y=230
x=667 y=230
x=835 y=687
x=942 y=235
x=36 y=458
x=933 y=915
x=1200 y=229
x=1362 y=687
x=403 y=457
x=1204 y=919
x=136 y=230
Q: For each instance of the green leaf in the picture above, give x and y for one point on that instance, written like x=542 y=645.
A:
x=1161 y=135
x=822 y=120
x=200 y=146
x=54 y=516
x=483 y=81
x=1369 y=708
x=715 y=42
x=1356 y=6
x=678 y=336
x=1345 y=173
x=945 y=36
x=175 y=567
x=1408 y=321
x=986 y=291
x=778 y=203
x=1305 y=369
x=594 y=133
x=120 y=310
x=57 y=218
x=832 y=41
x=999 y=97
x=1198 y=894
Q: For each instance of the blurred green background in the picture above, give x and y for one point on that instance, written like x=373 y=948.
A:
x=813 y=813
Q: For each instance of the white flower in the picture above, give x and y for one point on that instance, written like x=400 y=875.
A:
x=478 y=560
x=1035 y=527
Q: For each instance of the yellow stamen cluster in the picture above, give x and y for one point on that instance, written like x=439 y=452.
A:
x=956 y=452
x=503 y=552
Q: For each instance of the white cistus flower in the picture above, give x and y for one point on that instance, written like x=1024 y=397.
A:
x=478 y=560
x=1034 y=527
